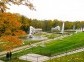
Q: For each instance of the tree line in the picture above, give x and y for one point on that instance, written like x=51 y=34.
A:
x=14 y=25
x=46 y=25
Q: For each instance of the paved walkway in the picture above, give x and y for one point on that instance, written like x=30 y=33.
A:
x=34 y=57
x=68 y=53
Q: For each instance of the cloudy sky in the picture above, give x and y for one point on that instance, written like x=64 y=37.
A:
x=67 y=10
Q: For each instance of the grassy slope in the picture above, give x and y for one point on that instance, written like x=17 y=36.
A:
x=57 y=46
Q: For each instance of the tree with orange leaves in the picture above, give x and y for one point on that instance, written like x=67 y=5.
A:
x=9 y=24
x=10 y=30
x=10 y=42
x=3 y=3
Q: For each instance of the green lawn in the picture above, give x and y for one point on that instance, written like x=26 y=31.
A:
x=56 y=46
x=60 y=46
x=77 y=57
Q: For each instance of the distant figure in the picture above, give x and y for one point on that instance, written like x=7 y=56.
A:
x=8 y=55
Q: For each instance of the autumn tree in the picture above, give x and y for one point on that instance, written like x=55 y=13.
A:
x=25 y=23
x=8 y=24
x=3 y=7
x=10 y=30
x=3 y=4
x=10 y=42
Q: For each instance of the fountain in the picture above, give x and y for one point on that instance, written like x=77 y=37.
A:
x=33 y=31
x=74 y=27
x=57 y=28
x=62 y=31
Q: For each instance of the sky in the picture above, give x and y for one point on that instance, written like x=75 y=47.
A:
x=66 y=10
